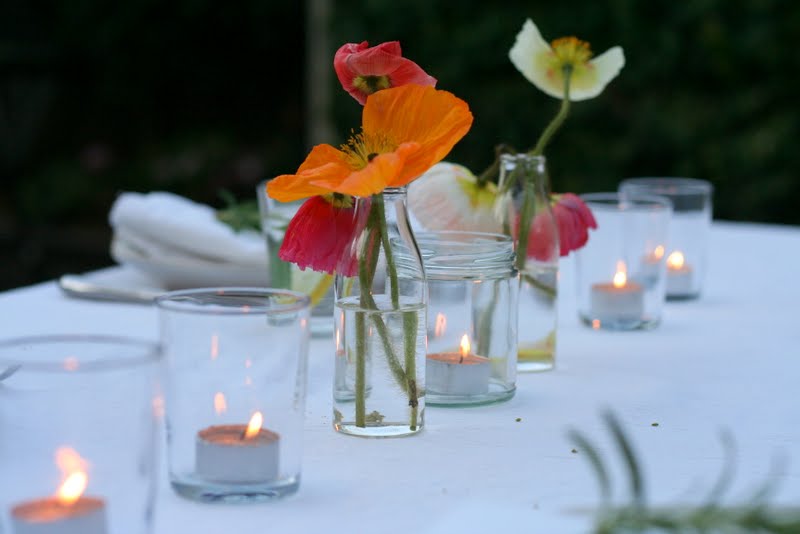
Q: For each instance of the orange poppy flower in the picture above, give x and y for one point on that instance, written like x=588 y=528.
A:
x=405 y=130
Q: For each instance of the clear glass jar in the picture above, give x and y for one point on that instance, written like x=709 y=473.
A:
x=525 y=180
x=78 y=434
x=235 y=362
x=472 y=317
x=381 y=300
x=687 y=250
x=620 y=272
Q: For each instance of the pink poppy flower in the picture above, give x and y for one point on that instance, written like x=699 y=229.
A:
x=320 y=236
x=363 y=70
x=573 y=218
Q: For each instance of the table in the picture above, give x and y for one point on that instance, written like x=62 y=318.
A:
x=729 y=360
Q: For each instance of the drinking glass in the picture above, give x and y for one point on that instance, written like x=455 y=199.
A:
x=275 y=217
x=78 y=434
x=687 y=250
x=235 y=379
x=620 y=271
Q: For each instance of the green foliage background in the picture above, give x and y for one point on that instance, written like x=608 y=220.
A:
x=194 y=95
x=707 y=90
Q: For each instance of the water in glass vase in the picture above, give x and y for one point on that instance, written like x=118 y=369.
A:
x=380 y=352
x=537 y=317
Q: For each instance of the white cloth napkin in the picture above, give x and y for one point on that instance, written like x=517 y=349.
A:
x=165 y=225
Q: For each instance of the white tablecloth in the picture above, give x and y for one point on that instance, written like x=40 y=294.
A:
x=729 y=360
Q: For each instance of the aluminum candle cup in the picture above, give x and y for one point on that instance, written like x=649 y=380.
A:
x=687 y=249
x=472 y=317
x=621 y=270
x=235 y=361
x=78 y=418
x=275 y=217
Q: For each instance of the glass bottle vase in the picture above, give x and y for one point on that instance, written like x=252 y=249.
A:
x=524 y=178
x=380 y=318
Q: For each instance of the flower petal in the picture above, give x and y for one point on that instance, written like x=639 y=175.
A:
x=447 y=197
x=375 y=177
x=354 y=60
x=574 y=219
x=435 y=119
x=319 y=236
x=531 y=56
x=603 y=69
x=323 y=164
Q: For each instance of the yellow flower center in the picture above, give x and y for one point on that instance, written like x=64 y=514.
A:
x=339 y=200
x=570 y=51
x=371 y=84
x=361 y=148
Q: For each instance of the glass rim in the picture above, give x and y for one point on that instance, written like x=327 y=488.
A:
x=635 y=202
x=491 y=237
x=150 y=352
x=668 y=185
x=519 y=155
x=170 y=301
x=458 y=251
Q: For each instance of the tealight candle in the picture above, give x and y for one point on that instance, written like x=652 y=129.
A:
x=650 y=266
x=458 y=373
x=621 y=300
x=679 y=275
x=68 y=512
x=238 y=453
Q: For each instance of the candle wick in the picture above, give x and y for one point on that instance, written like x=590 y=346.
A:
x=243 y=437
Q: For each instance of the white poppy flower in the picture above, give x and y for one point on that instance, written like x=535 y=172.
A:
x=447 y=197
x=542 y=64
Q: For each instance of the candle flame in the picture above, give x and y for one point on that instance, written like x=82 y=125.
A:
x=214 y=346
x=621 y=276
x=254 y=425
x=675 y=260
x=441 y=324
x=465 y=346
x=658 y=252
x=76 y=480
x=220 y=405
x=72 y=488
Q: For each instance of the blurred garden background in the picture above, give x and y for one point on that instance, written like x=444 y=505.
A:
x=194 y=96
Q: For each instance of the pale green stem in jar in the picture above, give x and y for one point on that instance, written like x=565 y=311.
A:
x=405 y=378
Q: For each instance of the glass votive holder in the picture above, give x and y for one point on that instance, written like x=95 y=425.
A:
x=472 y=317
x=235 y=381
x=620 y=271
x=275 y=217
x=687 y=249
x=78 y=434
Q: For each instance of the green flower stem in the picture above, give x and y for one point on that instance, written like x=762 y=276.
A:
x=405 y=378
x=390 y=265
x=383 y=332
x=558 y=120
x=366 y=273
x=528 y=201
x=410 y=325
x=361 y=350
x=525 y=218
x=494 y=169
